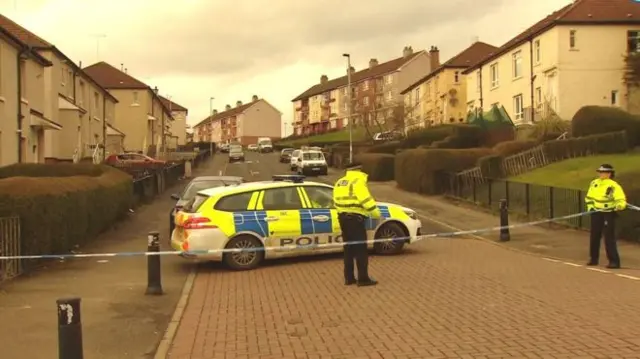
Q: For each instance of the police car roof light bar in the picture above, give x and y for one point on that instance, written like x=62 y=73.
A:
x=291 y=178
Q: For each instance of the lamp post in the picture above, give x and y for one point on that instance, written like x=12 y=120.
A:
x=349 y=104
x=210 y=124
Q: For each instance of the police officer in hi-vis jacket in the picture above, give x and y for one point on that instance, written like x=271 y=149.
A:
x=355 y=205
x=605 y=197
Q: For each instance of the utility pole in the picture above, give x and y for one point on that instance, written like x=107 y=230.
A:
x=349 y=104
x=98 y=37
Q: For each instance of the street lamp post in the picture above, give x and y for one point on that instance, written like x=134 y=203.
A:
x=210 y=124
x=349 y=104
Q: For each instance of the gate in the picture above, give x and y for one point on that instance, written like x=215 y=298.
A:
x=10 y=246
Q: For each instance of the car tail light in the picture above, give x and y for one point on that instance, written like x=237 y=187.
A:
x=198 y=223
x=185 y=246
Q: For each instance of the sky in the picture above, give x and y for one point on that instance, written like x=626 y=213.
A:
x=193 y=50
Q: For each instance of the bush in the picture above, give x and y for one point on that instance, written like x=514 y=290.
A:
x=608 y=143
x=387 y=147
x=50 y=170
x=549 y=129
x=59 y=212
x=425 y=136
x=508 y=148
x=491 y=166
x=419 y=170
x=379 y=166
x=592 y=120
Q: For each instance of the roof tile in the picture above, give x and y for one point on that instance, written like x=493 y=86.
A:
x=172 y=105
x=110 y=77
x=229 y=113
x=22 y=34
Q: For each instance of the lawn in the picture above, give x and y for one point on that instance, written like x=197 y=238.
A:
x=359 y=134
x=578 y=172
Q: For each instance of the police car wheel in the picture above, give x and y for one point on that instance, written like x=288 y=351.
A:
x=389 y=230
x=250 y=259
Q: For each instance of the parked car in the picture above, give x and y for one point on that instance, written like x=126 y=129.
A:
x=236 y=154
x=285 y=155
x=294 y=159
x=132 y=158
x=192 y=188
x=388 y=136
x=252 y=147
x=224 y=148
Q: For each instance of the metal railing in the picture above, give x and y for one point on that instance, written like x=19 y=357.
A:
x=10 y=245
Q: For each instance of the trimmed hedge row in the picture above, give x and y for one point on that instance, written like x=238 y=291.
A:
x=592 y=120
x=607 y=143
x=379 y=166
x=59 y=210
x=417 y=170
x=508 y=148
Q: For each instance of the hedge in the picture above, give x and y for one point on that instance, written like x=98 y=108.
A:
x=615 y=142
x=388 y=147
x=418 y=170
x=379 y=166
x=591 y=120
x=59 y=210
x=508 y=148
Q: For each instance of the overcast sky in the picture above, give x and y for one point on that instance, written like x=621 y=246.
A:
x=232 y=49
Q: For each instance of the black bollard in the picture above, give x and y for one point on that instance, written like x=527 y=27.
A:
x=154 y=279
x=504 y=221
x=69 y=329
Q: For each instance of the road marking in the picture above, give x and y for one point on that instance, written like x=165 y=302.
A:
x=598 y=270
x=627 y=276
x=248 y=161
x=551 y=260
x=572 y=264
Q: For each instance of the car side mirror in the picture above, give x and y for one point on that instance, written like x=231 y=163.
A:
x=175 y=196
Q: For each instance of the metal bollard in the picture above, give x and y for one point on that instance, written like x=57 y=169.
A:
x=154 y=279
x=69 y=329
x=504 y=221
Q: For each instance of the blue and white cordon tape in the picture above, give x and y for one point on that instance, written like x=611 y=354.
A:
x=303 y=247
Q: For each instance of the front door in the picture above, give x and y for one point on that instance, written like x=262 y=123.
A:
x=321 y=218
x=282 y=215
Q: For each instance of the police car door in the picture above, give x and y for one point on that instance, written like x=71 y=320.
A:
x=321 y=218
x=282 y=206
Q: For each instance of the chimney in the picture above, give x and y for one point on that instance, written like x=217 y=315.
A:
x=352 y=70
x=324 y=79
x=373 y=63
x=80 y=64
x=227 y=107
x=407 y=51
x=155 y=89
x=434 y=57
x=215 y=112
x=121 y=66
x=254 y=98
x=125 y=70
x=238 y=103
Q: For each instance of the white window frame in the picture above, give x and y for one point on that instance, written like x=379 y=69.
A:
x=479 y=81
x=417 y=95
x=365 y=85
x=516 y=62
x=573 y=39
x=537 y=51
x=518 y=107
x=494 y=73
x=389 y=95
x=539 y=97
x=388 y=79
x=136 y=99
x=365 y=101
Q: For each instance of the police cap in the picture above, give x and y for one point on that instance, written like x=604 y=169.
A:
x=605 y=168
x=353 y=165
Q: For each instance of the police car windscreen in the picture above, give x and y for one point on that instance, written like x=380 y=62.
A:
x=194 y=204
x=313 y=156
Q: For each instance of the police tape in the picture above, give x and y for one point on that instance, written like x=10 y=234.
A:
x=286 y=248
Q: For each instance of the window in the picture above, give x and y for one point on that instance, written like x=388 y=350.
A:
x=614 y=98
x=81 y=95
x=313 y=156
x=517 y=64
x=633 y=41
x=536 y=51
x=495 y=79
x=365 y=85
x=235 y=202
x=388 y=79
x=96 y=100
x=539 y=96
x=71 y=80
x=63 y=76
x=320 y=196
x=135 y=97
x=344 y=106
x=572 y=39
x=389 y=95
x=23 y=79
x=479 y=81
x=518 y=109
x=281 y=199
x=366 y=100
x=417 y=95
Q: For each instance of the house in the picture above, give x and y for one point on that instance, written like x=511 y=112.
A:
x=177 y=130
x=571 y=58
x=244 y=123
x=440 y=96
x=376 y=97
x=22 y=101
x=72 y=100
x=142 y=116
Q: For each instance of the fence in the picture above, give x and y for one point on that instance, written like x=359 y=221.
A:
x=524 y=162
x=10 y=246
x=530 y=200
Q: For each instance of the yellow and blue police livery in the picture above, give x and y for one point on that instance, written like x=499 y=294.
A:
x=285 y=217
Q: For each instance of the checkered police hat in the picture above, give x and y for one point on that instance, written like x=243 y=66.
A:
x=605 y=168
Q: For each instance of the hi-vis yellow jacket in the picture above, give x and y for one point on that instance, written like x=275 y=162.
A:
x=351 y=195
x=605 y=195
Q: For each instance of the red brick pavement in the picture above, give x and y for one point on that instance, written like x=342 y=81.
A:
x=453 y=298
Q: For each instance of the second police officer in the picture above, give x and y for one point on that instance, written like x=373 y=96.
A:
x=605 y=197
x=355 y=206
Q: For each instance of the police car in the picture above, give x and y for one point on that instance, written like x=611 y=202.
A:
x=285 y=217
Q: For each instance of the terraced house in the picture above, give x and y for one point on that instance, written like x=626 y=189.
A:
x=375 y=99
x=243 y=124
x=571 y=58
x=63 y=111
x=177 y=129
x=440 y=96
x=142 y=115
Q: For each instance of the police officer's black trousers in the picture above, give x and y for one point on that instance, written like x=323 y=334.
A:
x=604 y=223
x=354 y=230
